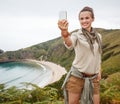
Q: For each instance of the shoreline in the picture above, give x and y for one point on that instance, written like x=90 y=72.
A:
x=57 y=70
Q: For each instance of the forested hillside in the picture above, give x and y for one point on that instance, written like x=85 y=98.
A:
x=55 y=51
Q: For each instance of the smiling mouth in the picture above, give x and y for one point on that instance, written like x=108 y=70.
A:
x=85 y=24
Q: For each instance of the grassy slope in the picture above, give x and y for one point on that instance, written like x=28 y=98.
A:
x=111 y=52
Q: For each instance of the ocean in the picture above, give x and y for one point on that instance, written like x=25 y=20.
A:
x=17 y=73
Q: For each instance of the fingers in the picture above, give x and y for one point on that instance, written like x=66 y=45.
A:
x=63 y=24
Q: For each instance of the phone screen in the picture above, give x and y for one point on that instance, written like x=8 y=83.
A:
x=62 y=15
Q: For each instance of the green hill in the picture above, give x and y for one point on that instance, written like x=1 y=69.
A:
x=55 y=51
x=111 y=52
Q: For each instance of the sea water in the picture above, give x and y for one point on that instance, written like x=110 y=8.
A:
x=18 y=73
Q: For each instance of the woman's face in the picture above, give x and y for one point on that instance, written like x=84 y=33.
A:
x=86 y=20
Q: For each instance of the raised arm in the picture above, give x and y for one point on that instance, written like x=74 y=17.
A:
x=63 y=26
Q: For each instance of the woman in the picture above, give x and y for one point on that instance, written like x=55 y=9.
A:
x=82 y=82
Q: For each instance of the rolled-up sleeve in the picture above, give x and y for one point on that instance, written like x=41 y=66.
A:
x=73 y=38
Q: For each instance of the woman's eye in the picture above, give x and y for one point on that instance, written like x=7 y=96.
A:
x=87 y=18
x=81 y=18
x=84 y=18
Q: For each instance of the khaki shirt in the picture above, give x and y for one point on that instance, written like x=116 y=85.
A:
x=85 y=61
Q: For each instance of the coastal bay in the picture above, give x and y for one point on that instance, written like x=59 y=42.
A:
x=36 y=72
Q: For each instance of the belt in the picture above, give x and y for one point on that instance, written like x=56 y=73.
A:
x=87 y=75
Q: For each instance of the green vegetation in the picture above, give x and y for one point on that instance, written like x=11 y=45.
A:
x=55 y=51
x=46 y=95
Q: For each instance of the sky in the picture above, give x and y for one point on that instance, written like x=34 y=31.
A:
x=24 y=23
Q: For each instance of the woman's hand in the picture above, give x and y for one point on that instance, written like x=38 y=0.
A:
x=63 y=25
x=99 y=76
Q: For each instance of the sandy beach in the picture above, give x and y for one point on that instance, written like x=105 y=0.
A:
x=57 y=70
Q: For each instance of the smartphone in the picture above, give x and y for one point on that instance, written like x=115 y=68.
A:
x=63 y=15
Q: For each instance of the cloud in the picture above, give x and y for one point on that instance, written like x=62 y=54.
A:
x=26 y=31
